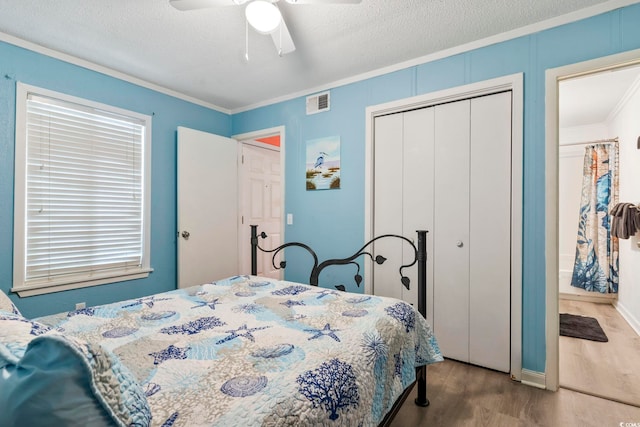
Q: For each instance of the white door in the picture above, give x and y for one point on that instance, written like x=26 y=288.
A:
x=404 y=145
x=417 y=204
x=387 y=164
x=207 y=207
x=451 y=230
x=261 y=190
x=490 y=232
x=472 y=233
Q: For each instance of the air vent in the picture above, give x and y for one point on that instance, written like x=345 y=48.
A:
x=318 y=103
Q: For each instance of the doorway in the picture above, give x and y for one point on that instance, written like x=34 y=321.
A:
x=588 y=105
x=594 y=109
x=261 y=196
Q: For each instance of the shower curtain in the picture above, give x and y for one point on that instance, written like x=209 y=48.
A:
x=596 y=264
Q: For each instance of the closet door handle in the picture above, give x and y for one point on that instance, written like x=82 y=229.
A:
x=459 y=243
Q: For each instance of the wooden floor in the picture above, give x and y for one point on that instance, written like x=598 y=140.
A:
x=465 y=395
x=610 y=369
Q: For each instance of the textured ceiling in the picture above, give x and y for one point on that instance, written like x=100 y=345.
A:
x=201 y=53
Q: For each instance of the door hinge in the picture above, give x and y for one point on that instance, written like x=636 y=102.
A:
x=243 y=159
x=242 y=218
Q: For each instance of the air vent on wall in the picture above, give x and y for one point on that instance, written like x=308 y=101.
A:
x=318 y=103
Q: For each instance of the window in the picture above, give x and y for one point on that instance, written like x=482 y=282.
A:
x=81 y=213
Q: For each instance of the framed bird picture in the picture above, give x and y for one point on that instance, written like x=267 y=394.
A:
x=323 y=163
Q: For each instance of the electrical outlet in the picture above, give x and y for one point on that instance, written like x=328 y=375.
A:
x=81 y=305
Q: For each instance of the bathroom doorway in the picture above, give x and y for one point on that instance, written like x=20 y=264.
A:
x=598 y=165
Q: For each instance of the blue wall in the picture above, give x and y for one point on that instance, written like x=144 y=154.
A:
x=340 y=213
x=335 y=213
x=17 y=64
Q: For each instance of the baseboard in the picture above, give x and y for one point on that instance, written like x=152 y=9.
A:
x=599 y=298
x=534 y=379
x=628 y=316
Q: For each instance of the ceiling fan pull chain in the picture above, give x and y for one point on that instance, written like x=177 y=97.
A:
x=280 y=48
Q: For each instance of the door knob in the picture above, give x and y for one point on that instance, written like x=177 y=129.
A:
x=459 y=243
x=185 y=235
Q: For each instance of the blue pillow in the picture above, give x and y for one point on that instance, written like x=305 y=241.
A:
x=64 y=381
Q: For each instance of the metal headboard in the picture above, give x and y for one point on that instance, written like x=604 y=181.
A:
x=420 y=257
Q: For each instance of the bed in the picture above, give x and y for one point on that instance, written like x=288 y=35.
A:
x=241 y=351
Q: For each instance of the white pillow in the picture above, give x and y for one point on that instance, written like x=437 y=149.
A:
x=7 y=305
x=16 y=332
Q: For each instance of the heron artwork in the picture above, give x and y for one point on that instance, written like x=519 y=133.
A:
x=322 y=163
x=320 y=159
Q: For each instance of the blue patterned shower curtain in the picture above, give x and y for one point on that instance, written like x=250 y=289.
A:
x=596 y=265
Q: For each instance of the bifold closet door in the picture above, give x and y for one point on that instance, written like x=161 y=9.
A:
x=472 y=231
x=403 y=196
x=387 y=201
x=451 y=229
x=418 y=187
x=490 y=232
x=447 y=169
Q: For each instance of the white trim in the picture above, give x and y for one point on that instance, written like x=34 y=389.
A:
x=20 y=186
x=476 y=44
x=597 y=299
x=262 y=133
x=243 y=138
x=32 y=290
x=34 y=47
x=533 y=378
x=553 y=76
x=628 y=95
x=551 y=234
x=457 y=93
x=517 y=177
x=514 y=83
x=262 y=145
x=628 y=316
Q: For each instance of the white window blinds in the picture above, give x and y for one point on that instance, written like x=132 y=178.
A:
x=85 y=193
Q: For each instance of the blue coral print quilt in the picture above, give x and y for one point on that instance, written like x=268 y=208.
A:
x=250 y=351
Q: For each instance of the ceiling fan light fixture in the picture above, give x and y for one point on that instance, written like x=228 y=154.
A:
x=263 y=16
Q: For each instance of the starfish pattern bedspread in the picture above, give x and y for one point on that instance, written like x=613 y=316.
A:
x=251 y=351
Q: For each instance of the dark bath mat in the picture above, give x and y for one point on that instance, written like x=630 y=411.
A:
x=584 y=327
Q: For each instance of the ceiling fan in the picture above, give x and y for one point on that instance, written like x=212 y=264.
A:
x=263 y=16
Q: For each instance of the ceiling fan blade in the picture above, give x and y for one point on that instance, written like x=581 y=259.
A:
x=324 y=1
x=202 y=4
x=282 y=39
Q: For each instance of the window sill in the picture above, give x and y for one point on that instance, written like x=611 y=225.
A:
x=41 y=289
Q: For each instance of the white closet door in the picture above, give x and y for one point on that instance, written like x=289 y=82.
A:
x=447 y=169
x=451 y=232
x=490 y=228
x=418 y=189
x=388 y=176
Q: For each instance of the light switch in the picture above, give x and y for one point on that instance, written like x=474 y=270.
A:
x=289 y=219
